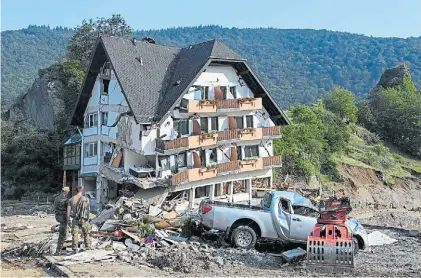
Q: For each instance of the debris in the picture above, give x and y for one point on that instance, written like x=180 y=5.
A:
x=154 y=211
x=218 y=260
x=414 y=233
x=294 y=255
x=377 y=238
x=170 y=215
x=132 y=236
x=119 y=246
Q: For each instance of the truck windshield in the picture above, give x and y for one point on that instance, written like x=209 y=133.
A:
x=267 y=200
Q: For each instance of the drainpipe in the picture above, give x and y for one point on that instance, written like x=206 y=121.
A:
x=82 y=150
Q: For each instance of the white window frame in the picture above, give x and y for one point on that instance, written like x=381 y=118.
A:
x=94 y=117
x=91 y=149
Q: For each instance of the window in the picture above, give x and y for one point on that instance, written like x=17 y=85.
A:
x=164 y=163
x=249 y=121
x=267 y=200
x=251 y=151
x=305 y=211
x=183 y=127
x=104 y=118
x=214 y=124
x=284 y=205
x=106 y=85
x=91 y=149
x=203 y=158
x=204 y=92
x=239 y=121
x=224 y=92
x=239 y=153
x=233 y=91
x=92 y=120
x=181 y=160
x=213 y=156
x=204 y=124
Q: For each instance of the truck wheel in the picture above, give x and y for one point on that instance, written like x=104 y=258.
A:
x=244 y=237
x=356 y=245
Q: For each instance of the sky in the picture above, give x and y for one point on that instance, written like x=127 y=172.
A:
x=379 y=18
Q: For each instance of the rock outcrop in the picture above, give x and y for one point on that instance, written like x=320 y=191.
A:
x=40 y=105
x=393 y=77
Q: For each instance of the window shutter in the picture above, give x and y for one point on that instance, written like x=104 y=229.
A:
x=196 y=127
x=232 y=123
x=219 y=94
x=196 y=160
x=234 y=154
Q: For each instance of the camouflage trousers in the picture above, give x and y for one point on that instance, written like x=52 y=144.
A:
x=78 y=225
x=62 y=232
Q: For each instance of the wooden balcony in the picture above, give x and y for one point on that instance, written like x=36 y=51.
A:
x=272 y=161
x=213 y=139
x=172 y=144
x=226 y=168
x=274 y=131
x=212 y=106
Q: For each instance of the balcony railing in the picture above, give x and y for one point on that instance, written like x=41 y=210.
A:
x=228 y=166
x=272 y=161
x=212 y=106
x=172 y=144
x=272 y=131
x=197 y=174
x=212 y=139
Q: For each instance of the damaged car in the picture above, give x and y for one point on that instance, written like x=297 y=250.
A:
x=283 y=216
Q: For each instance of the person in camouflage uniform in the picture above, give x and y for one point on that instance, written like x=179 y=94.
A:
x=78 y=209
x=60 y=206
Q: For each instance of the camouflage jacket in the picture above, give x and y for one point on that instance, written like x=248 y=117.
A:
x=80 y=208
x=60 y=204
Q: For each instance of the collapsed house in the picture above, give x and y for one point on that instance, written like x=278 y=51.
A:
x=162 y=119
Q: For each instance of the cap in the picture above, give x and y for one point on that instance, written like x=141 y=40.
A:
x=66 y=189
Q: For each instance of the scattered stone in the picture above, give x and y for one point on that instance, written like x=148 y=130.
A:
x=377 y=238
x=414 y=233
x=218 y=260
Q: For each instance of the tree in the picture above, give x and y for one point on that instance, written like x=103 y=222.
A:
x=397 y=115
x=365 y=115
x=83 y=41
x=342 y=103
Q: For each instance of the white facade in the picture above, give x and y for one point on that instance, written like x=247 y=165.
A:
x=103 y=135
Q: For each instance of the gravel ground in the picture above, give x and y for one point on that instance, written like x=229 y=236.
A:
x=400 y=259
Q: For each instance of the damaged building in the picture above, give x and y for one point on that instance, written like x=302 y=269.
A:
x=162 y=119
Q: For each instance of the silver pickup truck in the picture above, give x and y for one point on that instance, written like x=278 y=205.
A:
x=285 y=216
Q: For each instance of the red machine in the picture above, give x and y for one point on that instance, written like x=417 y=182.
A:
x=330 y=243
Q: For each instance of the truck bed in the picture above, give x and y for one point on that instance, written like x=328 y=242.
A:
x=233 y=205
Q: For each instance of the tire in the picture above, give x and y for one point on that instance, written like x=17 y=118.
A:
x=356 y=245
x=244 y=237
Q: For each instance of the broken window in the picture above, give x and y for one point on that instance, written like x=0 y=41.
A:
x=183 y=127
x=92 y=120
x=182 y=160
x=284 y=205
x=106 y=85
x=305 y=211
x=240 y=123
x=104 y=118
x=204 y=124
x=233 y=91
x=213 y=156
x=164 y=163
x=214 y=124
x=249 y=121
x=91 y=149
x=203 y=158
x=251 y=151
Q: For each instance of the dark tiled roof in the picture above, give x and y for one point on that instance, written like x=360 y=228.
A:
x=152 y=77
x=143 y=70
x=76 y=138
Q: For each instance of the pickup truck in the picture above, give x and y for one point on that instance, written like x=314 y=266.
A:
x=282 y=215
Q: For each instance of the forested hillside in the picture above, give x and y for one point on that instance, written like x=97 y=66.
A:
x=297 y=66
x=24 y=52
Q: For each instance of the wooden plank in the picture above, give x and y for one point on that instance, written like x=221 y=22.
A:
x=132 y=236
x=117 y=160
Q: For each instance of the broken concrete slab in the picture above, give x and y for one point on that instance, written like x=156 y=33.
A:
x=154 y=211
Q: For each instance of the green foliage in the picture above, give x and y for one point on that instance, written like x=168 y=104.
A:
x=342 y=103
x=83 y=41
x=31 y=157
x=297 y=66
x=308 y=143
x=397 y=115
x=24 y=52
x=365 y=116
